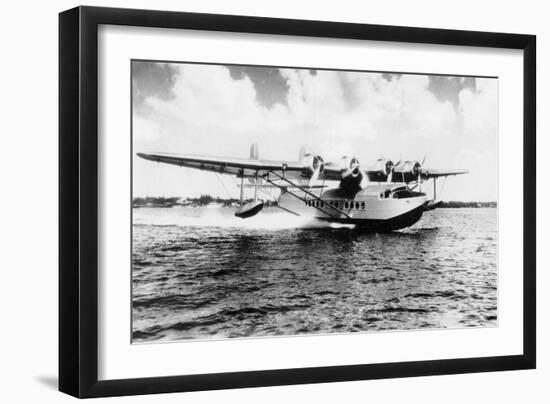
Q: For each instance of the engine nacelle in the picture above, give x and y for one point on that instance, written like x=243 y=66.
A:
x=313 y=163
x=351 y=175
x=380 y=170
x=350 y=166
x=407 y=171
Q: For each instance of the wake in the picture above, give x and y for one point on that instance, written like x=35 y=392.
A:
x=223 y=218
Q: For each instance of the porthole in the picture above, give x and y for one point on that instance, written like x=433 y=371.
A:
x=362 y=205
x=346 y=204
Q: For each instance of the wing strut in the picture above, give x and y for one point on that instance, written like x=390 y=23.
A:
x=305 y=191
x=256 y=187
x=251 y=208
x=242 y=186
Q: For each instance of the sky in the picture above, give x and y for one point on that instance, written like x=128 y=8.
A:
x=447 y=121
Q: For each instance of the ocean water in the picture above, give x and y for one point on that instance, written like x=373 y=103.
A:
x=201 y=273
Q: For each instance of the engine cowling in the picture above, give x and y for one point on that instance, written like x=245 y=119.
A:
x=381 y=169
x=351 y=175
x=407 y=171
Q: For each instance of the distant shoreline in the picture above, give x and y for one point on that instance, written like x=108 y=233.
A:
x=458 y=204
x=205 y=200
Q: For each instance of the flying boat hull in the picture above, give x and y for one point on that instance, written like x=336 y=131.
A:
x=368 y=209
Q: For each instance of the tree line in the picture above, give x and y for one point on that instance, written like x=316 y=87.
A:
x=203 y=200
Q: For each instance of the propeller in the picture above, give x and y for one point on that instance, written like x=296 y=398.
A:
x=365 y=180
x=383 y=169
x=315 y=176
x=350 y=167
x=390 y=170
x=419 y=179
x=318 y=165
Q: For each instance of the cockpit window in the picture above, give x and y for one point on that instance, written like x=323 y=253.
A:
x=402 y=193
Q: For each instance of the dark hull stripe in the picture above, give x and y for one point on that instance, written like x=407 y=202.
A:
x=382 y=226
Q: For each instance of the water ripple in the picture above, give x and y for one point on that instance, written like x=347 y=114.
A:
x=234 y=278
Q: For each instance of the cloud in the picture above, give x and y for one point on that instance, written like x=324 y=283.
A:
x=214 y=110
x=448 y=88
x=270 y=86
x=151 y=79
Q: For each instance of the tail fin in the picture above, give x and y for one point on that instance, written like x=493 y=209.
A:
x=254 y=153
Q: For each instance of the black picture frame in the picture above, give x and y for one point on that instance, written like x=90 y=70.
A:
x=78 y=201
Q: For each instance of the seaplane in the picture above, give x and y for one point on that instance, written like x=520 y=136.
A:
x=381 y=198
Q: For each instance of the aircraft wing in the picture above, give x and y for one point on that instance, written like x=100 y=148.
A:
x=436 y=172
x=229 y=165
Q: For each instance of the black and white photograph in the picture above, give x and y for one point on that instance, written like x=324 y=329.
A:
x=269 y=202
x=282 y=201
